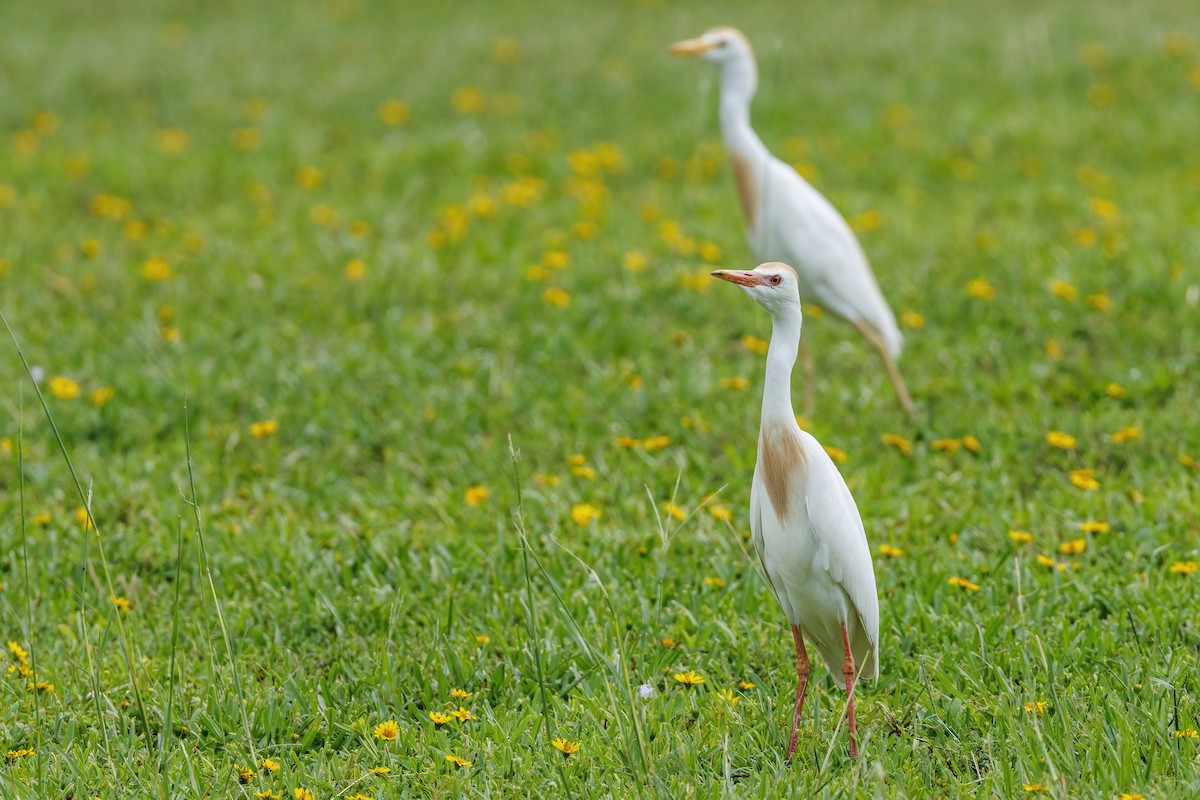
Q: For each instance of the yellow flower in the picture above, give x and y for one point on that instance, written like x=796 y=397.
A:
x=715 y=583
x=482 y=639
x=556 y=297
x=169 y=334
x=1050 y=563
x=393 y=112
x=755 y=344
x=1037 y=707
x=1127 y=434
x=565 y=747
x=1034 y=787
x=244 y=774
x=689 y=678
x=1073 y=547
x=1020 y=537
x=475 y=495
x=324 y=215
x=380 y=770
x=460 y=694
x=101 y=396
x=41 y=686
x=91 y=247
x=946 y=445
x=1085 y=237
x=1084 y=479
x=674 y=511
x=172 y=141
x=64 y=388
x=709 y=252
x=20 y=654
x=1184 y=567
x=911 y=319
x=308 y=177
x=40 y=519
x=467 y=100
x=1063 y=441
x=628 y=442
x=546 y=480
x=1094 y=526
x=438 y=717
x=556 y=259
x=981 y=289
x=836 y=454
x=1188 y=461
x=1130 y=796
x=963 y=583
x=13 y=755
x=303 y=794
x=266 y=794
x=1187 y=733
x=156 y=268
x=898 y=442
x=866 y=221
x=463 y=715
x=729 y=697
x=667 y=642
x=1099 y=301
x=246 y=138
x=459 y=761
x=1053 y=349
x=735 y=384
x=721 y=513
x=655 y=443
x=356 y=270
x=1063 y=289
x=270 y=765
x=1104 y=209
x=389 y=730
x=1115 y=390
x=264 y=428
x=84 y=518
x=745 y=686
x=890 y=551
x=120 y=603
x=635 y=261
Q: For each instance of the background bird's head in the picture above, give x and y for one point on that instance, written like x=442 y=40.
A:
x=726 y=47
x=772 y=285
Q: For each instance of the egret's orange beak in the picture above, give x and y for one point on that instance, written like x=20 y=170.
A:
x=689 y=47
x=741 y=277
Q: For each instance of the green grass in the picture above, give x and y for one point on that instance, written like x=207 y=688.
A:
x=351 y=575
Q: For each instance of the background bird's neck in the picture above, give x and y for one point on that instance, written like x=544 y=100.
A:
x=781 y=356
x=740 y=139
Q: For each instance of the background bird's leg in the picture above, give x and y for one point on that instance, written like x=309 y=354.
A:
x=802 y=671
x=810 y=377
x=889 y=364
x=848 y=672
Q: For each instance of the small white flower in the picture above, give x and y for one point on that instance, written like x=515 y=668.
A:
x=37 y=372
x=645 y=691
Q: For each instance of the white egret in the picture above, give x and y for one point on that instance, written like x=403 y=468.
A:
x=786 y=219
x=806 y=527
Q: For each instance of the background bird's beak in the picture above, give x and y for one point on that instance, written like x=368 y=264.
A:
x=739 y=276
x=689 y=47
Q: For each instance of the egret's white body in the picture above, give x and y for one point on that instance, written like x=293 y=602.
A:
x=787 y=220
x=805 y=524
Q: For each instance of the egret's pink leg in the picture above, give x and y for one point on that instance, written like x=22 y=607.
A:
x=848 y=671
x=802 y=671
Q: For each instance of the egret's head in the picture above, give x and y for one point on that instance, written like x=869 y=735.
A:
x=773 y=285
x=729 y=50
x=718 y=45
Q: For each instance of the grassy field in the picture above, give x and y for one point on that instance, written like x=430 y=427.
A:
x=376 y=250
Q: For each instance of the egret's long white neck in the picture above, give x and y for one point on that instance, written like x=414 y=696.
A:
x=781 y=356
x=739 y=80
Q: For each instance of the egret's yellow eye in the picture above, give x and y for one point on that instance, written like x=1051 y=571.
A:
x=776 y=280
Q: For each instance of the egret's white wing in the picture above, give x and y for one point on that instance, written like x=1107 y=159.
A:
x=800 y=227
x=836 y=522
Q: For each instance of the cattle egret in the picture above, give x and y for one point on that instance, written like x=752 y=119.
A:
x=806 y=527
x=787 y=219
